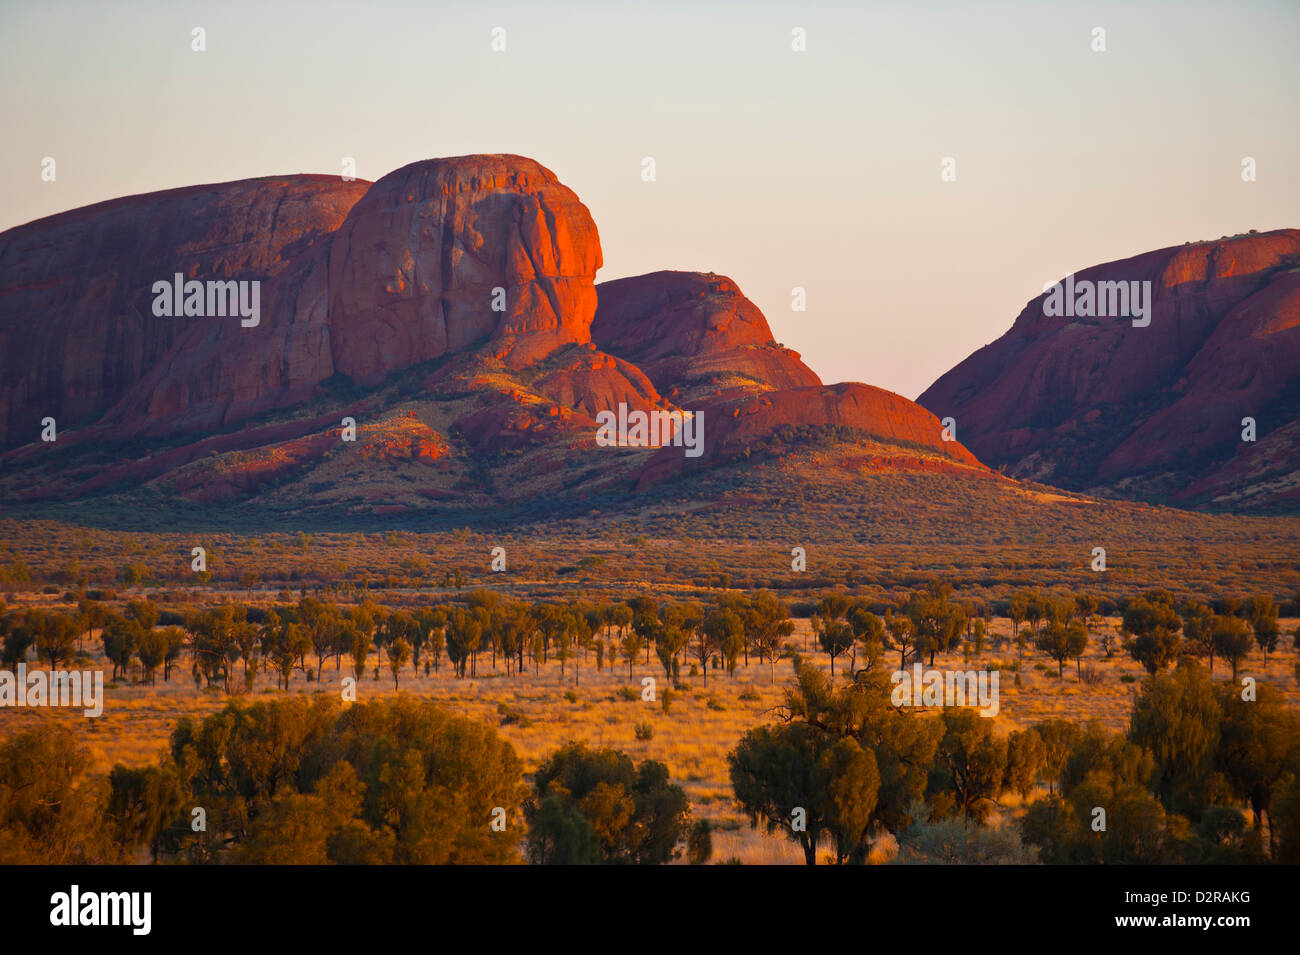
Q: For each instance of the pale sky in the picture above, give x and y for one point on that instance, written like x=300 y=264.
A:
x=818 y=169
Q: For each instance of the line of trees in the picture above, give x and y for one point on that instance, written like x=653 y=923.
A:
x=226 y=643
x=229 y=642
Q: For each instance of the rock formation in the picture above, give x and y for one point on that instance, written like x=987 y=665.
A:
x=450 y=308
x=1154 y=412
x=695 y=336
x=77 y=328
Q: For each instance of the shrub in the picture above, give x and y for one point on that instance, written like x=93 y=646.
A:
x=592 y=806
x=958 y=840
x=510 y=715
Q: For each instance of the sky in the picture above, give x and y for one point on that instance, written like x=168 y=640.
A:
x=819 y=169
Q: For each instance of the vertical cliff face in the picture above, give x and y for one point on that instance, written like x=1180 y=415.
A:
x=1151 y=412
x=413 y=269
x=410 y=275
x=77 y=328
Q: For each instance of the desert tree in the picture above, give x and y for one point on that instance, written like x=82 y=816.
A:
x=1261 y=613
x=582 y=632
x=246 y=638
x=361 y=646
x=398 y=651
x=1256 y=748
x=835 y=638
x=152 y=651
x=1086 y=605
x=142 y=803
x=1026 y=756
x=619 y=616
x=51 y=804
x=704 y=642
x=768 y=626
x=1152 y=625
x=1063 y=641
x=1059 y=737
x=670 y=641
x=1284 y=813
x=726 y=636
x=631 y=648
x=463 y=632
x=514 y=626
x=804 y=762
x=699 y=843
x=284 y=643
x=143 y=612
x=902 y=635
x=1077 y=637
x=91 y=615
x=1155 y=649
x=56 y=637
x=435 y=619
x=932 y=620
x=1176 y=719
x=597 y=806
x=317 y=620
x=1198 y=628
x=1232 y=640
x=176 y=639
x=644 y=620
x=1035 y=608
x=1060 y=609
x=120 y=637
x=779 y=782
x=1017 y=610
x=972 y=762
x=868 y=632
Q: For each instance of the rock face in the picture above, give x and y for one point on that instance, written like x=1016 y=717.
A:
x=409 y=276
x=76 y=322
x=1151 y=412
x=450 y=309
x=412 y=270
x=694 y=335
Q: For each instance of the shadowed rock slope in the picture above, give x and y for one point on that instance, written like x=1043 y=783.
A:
x=1151 y=413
